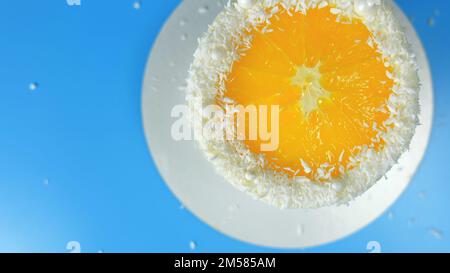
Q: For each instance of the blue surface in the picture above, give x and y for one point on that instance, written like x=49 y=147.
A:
x=81 y=130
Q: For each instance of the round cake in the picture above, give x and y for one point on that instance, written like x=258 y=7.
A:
x=304 y=103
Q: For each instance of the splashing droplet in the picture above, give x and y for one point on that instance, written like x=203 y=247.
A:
x=183 y=22
x=391 y=215
x=436 y=233
x=137 y=5
x=422 y=194
x=431 y=22
x=192 y=245
x=33 y=86
x=233 y=208
x=203 y=10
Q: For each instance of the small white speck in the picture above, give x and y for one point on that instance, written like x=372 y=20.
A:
x=335 y=11
x=301 y=179
x=322 y=5
x=305 y=165
x=337 y=186
x=228 y=100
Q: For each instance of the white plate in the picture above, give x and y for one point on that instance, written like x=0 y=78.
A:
x=206 y=194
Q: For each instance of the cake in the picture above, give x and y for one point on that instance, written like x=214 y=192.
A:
x=333 y=84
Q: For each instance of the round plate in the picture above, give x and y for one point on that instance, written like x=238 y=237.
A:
x=206 y=194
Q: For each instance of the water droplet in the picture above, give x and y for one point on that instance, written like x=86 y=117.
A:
x=233 y=207
x=436 y=233
x=137 y=5
x=183 y=22
x=431 y=22
x=203 y=10
x=100 y=251
x=184 y=37
x=422 y=194
x=192 y=245
x=33 y=86
x=391 y=215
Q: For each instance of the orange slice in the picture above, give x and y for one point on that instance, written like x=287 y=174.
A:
x=331 y=85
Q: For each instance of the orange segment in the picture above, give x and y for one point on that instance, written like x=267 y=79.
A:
x=331 y=85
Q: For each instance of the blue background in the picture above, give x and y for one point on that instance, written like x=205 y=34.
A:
x=81 y=131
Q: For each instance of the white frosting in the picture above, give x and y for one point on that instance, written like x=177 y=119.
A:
x=213 y=59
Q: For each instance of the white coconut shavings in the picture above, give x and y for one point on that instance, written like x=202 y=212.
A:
x=224 y=43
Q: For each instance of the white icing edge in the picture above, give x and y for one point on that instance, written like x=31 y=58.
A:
x=213 y=59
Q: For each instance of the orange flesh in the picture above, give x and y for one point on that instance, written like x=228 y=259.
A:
x=330 y=84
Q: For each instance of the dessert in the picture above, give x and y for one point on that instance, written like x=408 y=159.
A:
x=337 y=81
